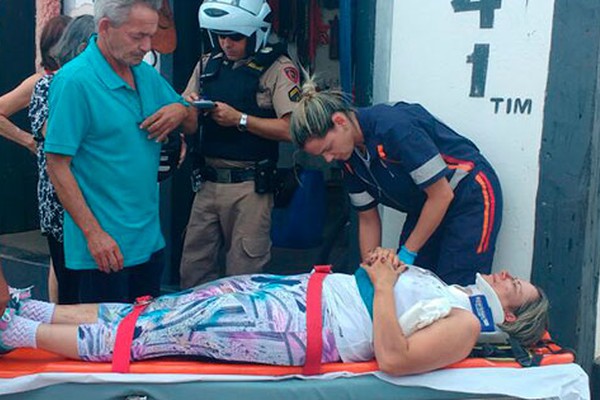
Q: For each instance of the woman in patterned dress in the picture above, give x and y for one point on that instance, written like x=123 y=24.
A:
x=72 y=42
x=18 y=98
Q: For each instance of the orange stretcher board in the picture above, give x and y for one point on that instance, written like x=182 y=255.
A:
x=24 y=362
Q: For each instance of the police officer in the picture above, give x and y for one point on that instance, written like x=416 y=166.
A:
x=254 y=87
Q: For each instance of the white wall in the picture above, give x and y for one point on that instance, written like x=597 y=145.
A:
x=426 y=62
x=75 y=8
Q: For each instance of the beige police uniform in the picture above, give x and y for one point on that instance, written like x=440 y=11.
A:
x=231 y=215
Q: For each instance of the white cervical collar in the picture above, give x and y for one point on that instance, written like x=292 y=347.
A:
x=485 y=304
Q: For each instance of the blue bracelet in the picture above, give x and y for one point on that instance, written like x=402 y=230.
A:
x=407 y=256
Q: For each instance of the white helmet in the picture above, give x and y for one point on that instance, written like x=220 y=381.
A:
x=236 y=16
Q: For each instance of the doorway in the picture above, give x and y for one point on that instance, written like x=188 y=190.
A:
x=319 y=36
x=18 y=169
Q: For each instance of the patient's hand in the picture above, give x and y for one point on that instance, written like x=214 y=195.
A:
x=384 y=268
x=388 y=253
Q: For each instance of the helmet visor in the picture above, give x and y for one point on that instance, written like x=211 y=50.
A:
x=235 y=36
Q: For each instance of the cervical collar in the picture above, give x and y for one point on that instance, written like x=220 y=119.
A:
x=486 y=306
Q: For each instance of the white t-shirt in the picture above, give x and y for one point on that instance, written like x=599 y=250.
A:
x=421 y=298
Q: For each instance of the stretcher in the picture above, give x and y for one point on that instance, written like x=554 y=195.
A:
x=36 y=374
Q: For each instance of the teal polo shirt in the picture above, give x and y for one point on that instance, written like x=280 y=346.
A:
x=94 y=117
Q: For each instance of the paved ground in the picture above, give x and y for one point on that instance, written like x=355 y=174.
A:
x=24 y=258
x=30 y=242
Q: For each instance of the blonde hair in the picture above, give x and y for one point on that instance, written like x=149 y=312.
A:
x=312 y=116
x=74 y=39
x=532 y=321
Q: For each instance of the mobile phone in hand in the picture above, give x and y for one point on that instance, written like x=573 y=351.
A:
x=204 y=104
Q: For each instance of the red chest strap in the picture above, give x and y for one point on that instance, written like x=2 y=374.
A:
x=122 y=350
x=314 y=320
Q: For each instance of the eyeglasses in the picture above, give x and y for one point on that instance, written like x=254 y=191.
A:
x=236 y=37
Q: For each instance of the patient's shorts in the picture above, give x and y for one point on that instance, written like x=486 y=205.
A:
x=249 y=318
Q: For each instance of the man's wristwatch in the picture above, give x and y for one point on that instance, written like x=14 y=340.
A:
x=243 y=124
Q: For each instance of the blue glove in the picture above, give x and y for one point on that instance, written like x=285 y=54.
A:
x=407 y=256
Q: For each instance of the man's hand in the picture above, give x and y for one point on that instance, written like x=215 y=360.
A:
x=225 y=115
x=106 y=251
x=164 y=121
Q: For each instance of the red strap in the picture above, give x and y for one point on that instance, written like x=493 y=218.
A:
x=314 y=320
x=122 y=350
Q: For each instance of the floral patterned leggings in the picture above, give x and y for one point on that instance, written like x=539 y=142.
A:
x=249 y=318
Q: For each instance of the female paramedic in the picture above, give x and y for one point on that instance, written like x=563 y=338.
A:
x=401 y=156
x=387 y=311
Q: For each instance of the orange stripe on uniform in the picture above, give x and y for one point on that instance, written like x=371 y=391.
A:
x=456 y=163
x=492 y=197
x=489 y=210
x=381 y=152
x=486 y=213
x=463 y=167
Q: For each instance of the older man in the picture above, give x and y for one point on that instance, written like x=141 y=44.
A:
x=109 y=112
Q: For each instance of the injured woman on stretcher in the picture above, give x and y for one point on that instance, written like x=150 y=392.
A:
x=403 y=316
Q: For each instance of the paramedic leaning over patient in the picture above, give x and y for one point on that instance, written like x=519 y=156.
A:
x=403 y=157
x=386 y=311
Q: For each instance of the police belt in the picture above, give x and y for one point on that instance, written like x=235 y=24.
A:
x=226 y=175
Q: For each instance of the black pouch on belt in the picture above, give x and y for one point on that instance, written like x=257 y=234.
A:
x=263 y=177
x=286 y=181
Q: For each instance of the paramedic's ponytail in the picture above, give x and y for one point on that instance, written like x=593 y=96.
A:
x=312 y=116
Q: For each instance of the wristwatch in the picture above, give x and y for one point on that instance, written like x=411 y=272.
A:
x=243 y=124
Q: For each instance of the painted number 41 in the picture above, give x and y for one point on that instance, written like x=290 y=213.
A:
x=481 y=53
x=486 y=10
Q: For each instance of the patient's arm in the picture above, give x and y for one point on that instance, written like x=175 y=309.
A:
x=444 y=342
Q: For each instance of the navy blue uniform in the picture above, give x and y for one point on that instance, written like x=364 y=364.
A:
x=408 y=150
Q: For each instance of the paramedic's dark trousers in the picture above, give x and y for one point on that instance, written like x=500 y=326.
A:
x=465 y=241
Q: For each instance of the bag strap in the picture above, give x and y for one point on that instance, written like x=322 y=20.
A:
x=122 y=350
x=523 y=357
x=314 y=320
x=507 y=352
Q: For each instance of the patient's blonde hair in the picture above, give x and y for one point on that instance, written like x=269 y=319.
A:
x=312 y=116
x=532 y=321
